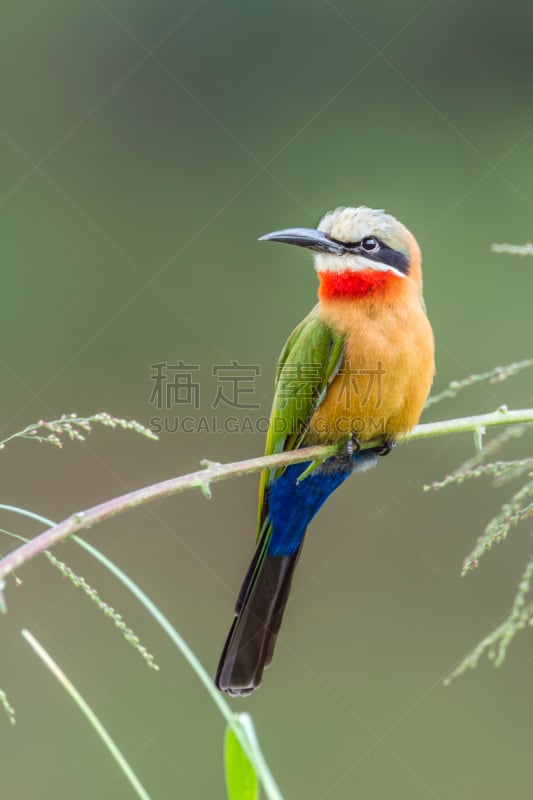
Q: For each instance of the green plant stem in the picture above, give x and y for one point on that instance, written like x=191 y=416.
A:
x=514 y=249
x=243 y=729
x=259 y=762
x=89 y=714
x=214 y=472
x=244 y=732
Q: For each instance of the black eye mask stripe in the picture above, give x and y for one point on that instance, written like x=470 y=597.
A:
x=383 y=255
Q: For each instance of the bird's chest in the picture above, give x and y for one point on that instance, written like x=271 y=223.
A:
x=383 y=381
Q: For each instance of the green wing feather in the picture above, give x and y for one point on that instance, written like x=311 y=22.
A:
x=308 y=363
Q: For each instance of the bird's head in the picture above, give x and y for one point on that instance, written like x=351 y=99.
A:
x=359 y=252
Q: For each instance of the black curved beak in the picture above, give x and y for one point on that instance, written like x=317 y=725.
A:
x=306 y=237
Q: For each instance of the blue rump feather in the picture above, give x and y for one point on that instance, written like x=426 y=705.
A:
x=293 y=505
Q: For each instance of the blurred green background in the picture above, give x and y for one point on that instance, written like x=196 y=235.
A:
x=144 y=147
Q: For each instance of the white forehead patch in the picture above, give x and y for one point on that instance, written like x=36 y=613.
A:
x=353 y=224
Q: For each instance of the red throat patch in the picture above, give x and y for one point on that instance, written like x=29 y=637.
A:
x=360 y=283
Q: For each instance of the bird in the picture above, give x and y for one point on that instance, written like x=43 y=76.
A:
x=356 y=371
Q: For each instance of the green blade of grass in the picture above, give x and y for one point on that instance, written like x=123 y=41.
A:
x=89 y=714
x=241 y=777
x=241 y=724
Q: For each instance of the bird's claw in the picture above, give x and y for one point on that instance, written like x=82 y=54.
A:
x=385 y=448
x=353 y=445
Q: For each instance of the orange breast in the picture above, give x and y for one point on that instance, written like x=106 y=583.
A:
x=386 y=375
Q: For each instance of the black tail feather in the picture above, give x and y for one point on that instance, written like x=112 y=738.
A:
x=259 y=611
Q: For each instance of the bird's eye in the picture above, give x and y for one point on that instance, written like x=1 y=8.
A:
x=369 y=244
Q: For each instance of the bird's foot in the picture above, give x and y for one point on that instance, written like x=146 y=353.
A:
x=346 y=453
x=384 y=448
x=353 y=445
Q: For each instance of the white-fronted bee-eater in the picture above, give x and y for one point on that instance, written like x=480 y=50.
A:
x=357 y=369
